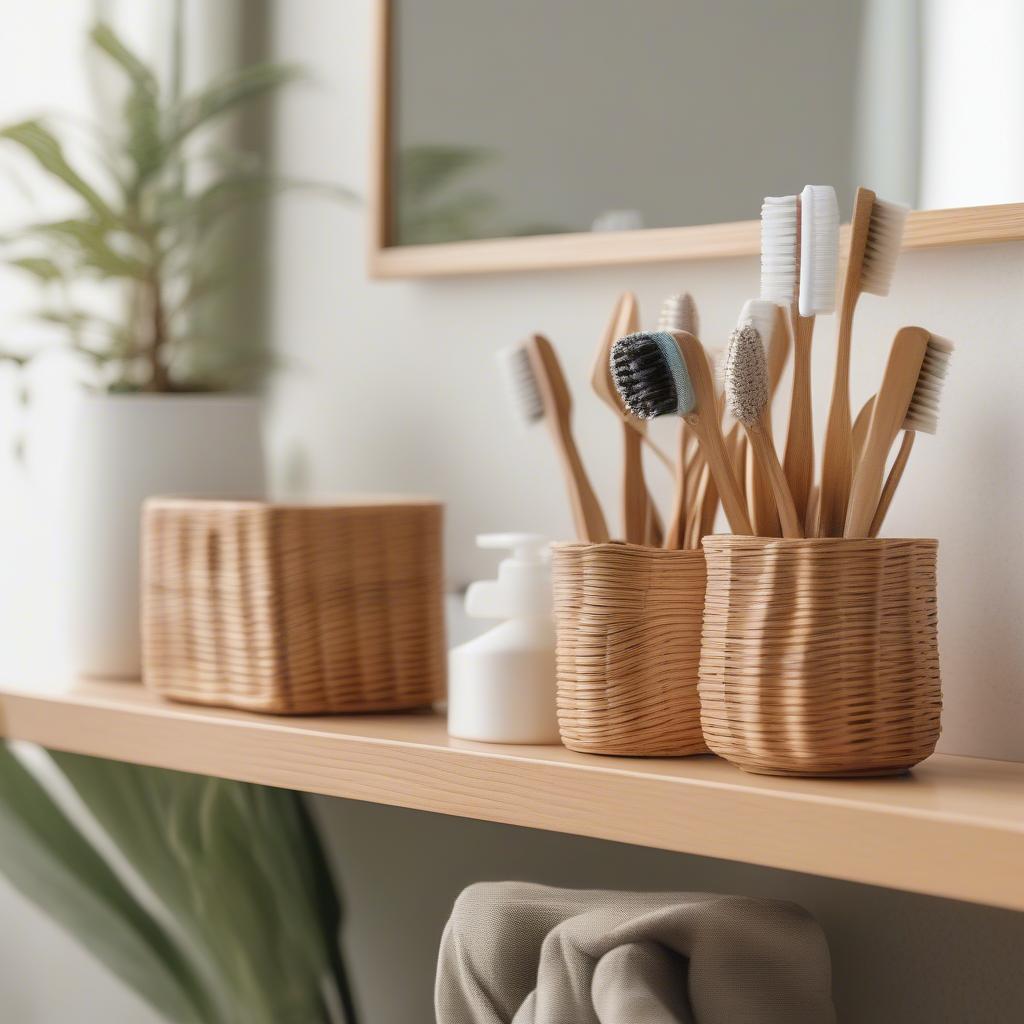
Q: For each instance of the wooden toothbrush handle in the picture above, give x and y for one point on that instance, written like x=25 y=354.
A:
x=837 y=455
x=713 y=444
x=892 y=481
x=798 y=462
x=675 y=531
x=586 y=510
x=635 y=519
x=766 y=458
x=764 y=516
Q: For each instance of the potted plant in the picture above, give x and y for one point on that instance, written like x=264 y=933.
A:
x=172 y=403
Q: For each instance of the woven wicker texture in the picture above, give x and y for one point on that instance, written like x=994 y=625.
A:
x=820 y=657
x=293 y=609
x=628 y=622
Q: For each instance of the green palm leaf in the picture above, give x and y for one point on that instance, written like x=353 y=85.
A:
x=141 y=110
x=239 y=871
x=40 y=143
x=48 y=860
x=227 y=93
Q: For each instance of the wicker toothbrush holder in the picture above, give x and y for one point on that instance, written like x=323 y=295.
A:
x=628 y=624
x=294 y=609
x=820 y=657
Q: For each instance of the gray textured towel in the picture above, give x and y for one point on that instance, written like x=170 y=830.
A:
x=514 y=953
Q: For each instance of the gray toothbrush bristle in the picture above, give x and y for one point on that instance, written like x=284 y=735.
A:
x=679 y=313
x=520 y=384
x=746 y=375
x=651 y=377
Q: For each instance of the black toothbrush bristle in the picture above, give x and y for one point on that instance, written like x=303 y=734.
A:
x=643 y=377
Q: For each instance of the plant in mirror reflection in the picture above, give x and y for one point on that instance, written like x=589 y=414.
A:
x=433 y=202
x=154 y=210
x=226 y=913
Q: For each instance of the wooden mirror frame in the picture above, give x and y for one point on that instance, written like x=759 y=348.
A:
x=969 y=225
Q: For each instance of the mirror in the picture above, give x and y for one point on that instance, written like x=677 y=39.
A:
x=589 y=121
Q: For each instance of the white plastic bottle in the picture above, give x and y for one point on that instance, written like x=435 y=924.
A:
x=501 y=686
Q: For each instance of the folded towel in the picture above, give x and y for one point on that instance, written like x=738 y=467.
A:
x=514 y=953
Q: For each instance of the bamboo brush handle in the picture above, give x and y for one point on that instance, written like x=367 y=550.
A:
x=765 y=456
x=890 y=410
x=713 y=444
x=762 y=502
x=837 y=456
x=586 y=510
x=634 y=488
x=798 y=462
x=892 y=481
x=655 y=528
x=859 y=433
x=675 y=532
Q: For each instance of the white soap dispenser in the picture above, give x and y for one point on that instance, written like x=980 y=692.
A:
x=501 y=686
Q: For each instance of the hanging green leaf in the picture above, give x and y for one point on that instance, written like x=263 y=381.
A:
x=47 y=859
x=227 y=93
x=40 y=267
x=89 y=243
x=37 y=140
x=141 y=110
x=239 y=872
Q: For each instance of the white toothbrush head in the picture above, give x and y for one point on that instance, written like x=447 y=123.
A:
x=882 y=246
x=819 y=249
x=521 y=384
x=923 y=412
x=746 y=375
x=679 y=313
x=780 y=251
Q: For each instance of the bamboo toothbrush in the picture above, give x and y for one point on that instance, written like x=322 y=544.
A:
x=799 y=249
x=679 y=313
x=668 y=373
x=748 y=396
x=769 y=320
x=876 y=231
x=640 y=521
x=892 y=481
x=538 y=390
x=907 y=400
x=860 y=430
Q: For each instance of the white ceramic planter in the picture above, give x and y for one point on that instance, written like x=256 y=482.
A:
x=125 y=448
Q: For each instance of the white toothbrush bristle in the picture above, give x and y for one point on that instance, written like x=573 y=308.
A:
x=923 y=412
x=882 y=247
x=759 y=314
x=779 y=220
x=521 y=384
x=746 y=375
x=679 y=313
x=819 y=249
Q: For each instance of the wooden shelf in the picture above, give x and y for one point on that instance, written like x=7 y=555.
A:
x=955 y=828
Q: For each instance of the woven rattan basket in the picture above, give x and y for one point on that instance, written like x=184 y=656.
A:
x=628 y=622
x=294 y=609
x=820 y=657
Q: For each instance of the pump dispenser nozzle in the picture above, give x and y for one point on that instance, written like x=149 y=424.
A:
x=523 y=586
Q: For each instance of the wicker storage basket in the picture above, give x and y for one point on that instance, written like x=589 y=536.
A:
x=628 y=622
x=294 y=609
x=820 y=657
